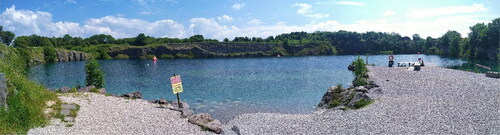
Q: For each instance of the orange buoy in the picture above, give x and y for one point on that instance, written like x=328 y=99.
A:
x=154 y=58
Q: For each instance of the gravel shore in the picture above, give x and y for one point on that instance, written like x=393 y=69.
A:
x=434 y=100
x=101 y=114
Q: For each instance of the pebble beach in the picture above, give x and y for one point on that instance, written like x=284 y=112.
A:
x=101 y=114
x=434 y=100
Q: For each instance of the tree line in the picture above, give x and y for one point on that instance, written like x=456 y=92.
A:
x=481 y=43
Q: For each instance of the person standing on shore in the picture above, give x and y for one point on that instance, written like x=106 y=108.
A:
x=391 y=60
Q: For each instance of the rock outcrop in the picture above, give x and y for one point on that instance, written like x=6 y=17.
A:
x=71 y=55
x=3 y=91
x=353 y=97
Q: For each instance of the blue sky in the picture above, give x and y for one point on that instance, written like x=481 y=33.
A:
x=229 y=18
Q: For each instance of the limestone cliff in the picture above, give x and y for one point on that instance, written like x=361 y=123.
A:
x=71 y=55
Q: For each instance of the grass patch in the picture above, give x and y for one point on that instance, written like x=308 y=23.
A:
x=204 y=128
x=122 y=57
x=74 y=112
x=362 y=103
x=26 y=99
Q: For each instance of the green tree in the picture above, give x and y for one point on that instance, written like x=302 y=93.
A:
x=226 y=40
x=50 y=54
x=140 y=40
x=196 y=38
x=22 y=42
x=94 y=75
x=477 y=39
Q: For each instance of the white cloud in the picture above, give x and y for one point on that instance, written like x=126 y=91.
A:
x=225 y=18
x=350 y=3
x=255 y=22
x=209 y=28
x=388 y=13
x=450 y=10
x=238 y=6
x=306 y=10
x=318 y=16
x=25 y=22
x=303 y=8
x=70 y=2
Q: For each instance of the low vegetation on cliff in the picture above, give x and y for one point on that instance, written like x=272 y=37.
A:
x=26 y=99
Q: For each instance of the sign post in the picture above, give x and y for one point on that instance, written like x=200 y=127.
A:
x=177 y=87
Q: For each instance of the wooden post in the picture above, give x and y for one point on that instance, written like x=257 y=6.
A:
x=179 y=99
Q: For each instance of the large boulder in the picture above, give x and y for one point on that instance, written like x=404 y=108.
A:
x=86 y=88
x=133 y=95
x=327 y=97
x=205 y=120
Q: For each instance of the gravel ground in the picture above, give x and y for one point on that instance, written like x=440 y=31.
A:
x=101 y=114
x=434 y=100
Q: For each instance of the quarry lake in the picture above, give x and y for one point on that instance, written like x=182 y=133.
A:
x=227 y=87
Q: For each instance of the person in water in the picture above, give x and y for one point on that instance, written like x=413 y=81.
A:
x=391 y=60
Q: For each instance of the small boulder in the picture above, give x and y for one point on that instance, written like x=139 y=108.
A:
x=69 y=119
x=162 y=102
x=175 y=106
x=133 y=95
x=206 y=120
x=186 y=113
x=68 y=106
x=102 y=90
x=65 y=89
x=86 y=88
x=378 y=91
x=65 y=112
x=361 y=89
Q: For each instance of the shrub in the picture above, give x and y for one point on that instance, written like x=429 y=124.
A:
x=50 y=54
x=94 y=75
x=166 y=56
x=121 y=57
x=360 y=72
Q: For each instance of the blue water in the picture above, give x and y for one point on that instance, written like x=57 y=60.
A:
x=226 y=87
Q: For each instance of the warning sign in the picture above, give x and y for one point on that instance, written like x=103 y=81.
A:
x=176 y=84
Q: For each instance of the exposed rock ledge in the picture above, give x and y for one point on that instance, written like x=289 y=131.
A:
x=71 y=55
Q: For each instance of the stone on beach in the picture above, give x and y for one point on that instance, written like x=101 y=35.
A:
x=86 y=88
x=133 y=95
x=206 y=120
x=65 y=89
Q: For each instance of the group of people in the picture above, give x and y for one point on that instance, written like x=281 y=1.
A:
x=391 y=60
